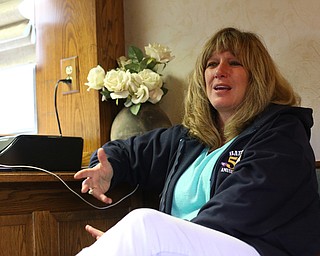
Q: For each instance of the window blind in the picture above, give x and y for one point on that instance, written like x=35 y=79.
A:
x=17 y=32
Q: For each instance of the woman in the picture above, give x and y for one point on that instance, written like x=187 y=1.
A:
x=238 y=177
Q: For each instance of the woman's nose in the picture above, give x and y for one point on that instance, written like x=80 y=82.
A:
x=220 y=71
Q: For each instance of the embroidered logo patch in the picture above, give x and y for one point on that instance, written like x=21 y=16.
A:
x=234 y=158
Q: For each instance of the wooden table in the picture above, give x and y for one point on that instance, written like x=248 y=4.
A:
x=40 y=216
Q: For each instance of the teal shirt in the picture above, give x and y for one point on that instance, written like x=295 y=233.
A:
x=192 y=190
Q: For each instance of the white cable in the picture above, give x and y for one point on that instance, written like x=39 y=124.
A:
x=64 y=183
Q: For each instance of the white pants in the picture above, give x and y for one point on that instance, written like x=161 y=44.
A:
x=146 y=232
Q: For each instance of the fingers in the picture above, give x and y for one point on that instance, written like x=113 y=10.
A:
x=96 y=233
x=86 y=187
x=100 y=196
x=102 y=156
x=103 y=162
x=105 y=199
x=83 y=174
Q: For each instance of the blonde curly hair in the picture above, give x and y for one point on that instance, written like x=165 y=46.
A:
x=266 y=85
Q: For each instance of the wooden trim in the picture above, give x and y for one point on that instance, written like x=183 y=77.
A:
x=27 y=176
x=317 y=164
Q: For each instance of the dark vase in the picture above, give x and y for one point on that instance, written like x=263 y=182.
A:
x=149 y=117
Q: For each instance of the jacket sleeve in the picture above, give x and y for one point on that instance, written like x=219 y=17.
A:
x=144 y=159
x=270 y=186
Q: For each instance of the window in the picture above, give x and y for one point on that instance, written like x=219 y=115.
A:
x=17 y=100
x=17 y=67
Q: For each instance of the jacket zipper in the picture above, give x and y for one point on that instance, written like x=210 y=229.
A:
x=169 y=178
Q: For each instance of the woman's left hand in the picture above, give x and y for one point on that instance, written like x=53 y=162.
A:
x=96 y=233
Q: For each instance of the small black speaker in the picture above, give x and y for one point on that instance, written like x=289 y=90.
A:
x=53 y=153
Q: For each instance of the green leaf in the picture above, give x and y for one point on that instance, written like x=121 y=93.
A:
x=134 y=109
x=105 y=93
x=133 y=67
x=148 y=63
x=143 y=64
x=151 y=63
x=135 y=53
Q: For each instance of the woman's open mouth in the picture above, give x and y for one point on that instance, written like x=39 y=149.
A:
x=221 y=87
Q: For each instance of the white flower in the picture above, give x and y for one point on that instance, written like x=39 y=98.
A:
x=150 y=79
x=117 y=81
x=95 y=78
x=136 y=78
x=161 y=53
x=141 y=95
x=135 y=82
x=119 y=95
x=122 y=61
x=155 y=95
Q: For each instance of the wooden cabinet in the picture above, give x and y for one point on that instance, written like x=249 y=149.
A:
x=40 y=216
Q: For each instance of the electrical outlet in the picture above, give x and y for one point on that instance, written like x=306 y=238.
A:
x=70 y=70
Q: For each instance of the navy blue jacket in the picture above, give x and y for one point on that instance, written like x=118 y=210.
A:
x=263 y=186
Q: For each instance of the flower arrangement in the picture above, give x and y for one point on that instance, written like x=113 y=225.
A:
x=136 y=79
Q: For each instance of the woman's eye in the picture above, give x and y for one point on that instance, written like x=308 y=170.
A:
x=212 y=64
x=235 y=63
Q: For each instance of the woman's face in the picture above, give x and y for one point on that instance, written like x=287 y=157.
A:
x=226 y=83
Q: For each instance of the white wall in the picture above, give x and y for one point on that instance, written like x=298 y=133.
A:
x=290 y=28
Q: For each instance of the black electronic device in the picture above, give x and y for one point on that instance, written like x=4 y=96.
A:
x=53 y=153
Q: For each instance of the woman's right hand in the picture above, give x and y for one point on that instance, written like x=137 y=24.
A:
x=97 y=179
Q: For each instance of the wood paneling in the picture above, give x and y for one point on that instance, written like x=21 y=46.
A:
x=93 y=30
x=16 y=235
x=40 y=216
